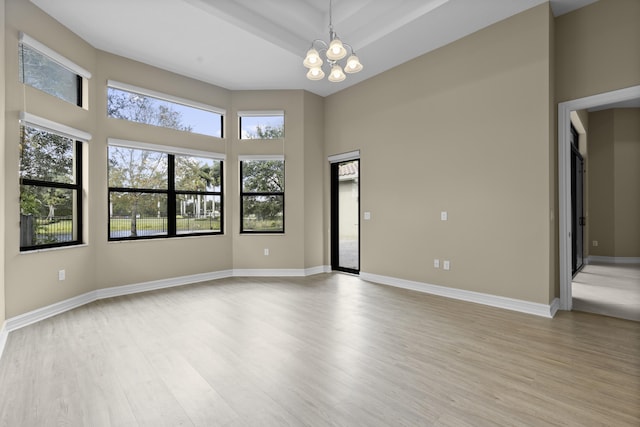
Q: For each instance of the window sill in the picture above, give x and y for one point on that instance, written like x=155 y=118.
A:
x=60 y=248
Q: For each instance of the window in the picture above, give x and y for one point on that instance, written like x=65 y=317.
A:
x=157 y=191
x=261 y=124
x=46 y=70
x=50 y=184
x=157 y=109
x=262 y=194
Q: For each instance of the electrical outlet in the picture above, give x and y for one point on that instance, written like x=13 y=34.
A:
x=446 y=265
x=436 y=263
x=62 y=274
x=266 y=251
x=595 y=243
x=444 y=216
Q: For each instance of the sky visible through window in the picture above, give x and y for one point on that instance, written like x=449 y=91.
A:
x=250 y=125
x=141 y=108
x=201 y=121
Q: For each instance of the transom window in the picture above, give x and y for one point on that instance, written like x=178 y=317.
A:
x=50 y=72
x=50 y=184
x=262 y=194
x=157 y=191
x=145 y=106
x=261 y=124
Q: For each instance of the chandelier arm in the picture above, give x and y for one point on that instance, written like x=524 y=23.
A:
x=353 y=52
x=321 y=42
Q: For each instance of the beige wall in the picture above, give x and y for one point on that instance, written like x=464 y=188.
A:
x=314 y=181
x=2 y=163
x=464 y=129
x=285 y=250
x=32 y=278
x=122 y=263
x=627 y=182
x=614 y=182
x=601 y=220
x=469 y=128
x=597 y=49
x=554 y=261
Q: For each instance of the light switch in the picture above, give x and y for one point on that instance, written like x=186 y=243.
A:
x=436 y=263
x=443 y=215
x=367 y=216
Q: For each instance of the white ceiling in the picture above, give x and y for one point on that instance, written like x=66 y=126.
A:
x=260 y=44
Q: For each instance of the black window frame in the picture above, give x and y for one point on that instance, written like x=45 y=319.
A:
x=261 y=193
x=171 y=194
x=76 y=186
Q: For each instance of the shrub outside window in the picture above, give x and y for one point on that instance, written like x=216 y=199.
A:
x=262 y=195
x=46 y=70
x=50 y=189
x=261 y=124
x=156 y=194
x=153 y=108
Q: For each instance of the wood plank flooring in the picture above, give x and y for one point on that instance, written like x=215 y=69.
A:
x=326 y=350
x=609 y=289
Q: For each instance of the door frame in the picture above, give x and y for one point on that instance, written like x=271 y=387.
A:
x=564 y=178
x=334 y=244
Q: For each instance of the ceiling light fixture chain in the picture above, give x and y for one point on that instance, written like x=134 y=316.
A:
x=334 y=51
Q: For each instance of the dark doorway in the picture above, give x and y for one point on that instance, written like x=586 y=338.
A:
x=345 y=216
x=577 y=205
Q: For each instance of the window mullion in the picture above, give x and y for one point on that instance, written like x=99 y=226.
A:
x=171 y=196
x=48 y=184
x=78 y=182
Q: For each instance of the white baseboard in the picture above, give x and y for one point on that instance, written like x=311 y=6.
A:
x=284 y=272
x=612 y=260
x=544 y=310
x=161 y=284
x=554 y=307
x=268 y=272
x=42 y=313
x=3 y=337
x=317 y=270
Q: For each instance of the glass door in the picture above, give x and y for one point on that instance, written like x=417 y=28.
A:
x=345 y=216
x=577 y=205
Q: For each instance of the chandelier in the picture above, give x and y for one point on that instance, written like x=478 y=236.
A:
x=334 y=52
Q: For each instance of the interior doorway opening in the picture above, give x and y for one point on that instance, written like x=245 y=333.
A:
x=614 y=99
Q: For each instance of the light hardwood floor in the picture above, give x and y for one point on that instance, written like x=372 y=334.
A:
x=326 y=350
x=609 y=289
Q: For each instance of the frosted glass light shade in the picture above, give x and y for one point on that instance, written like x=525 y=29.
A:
x=353 y=65
x=336 y=50
x=336 y=75
x=312 y=59
x=315 y=73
